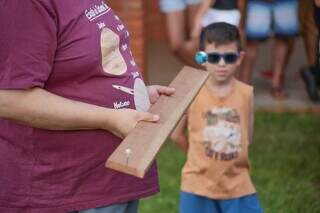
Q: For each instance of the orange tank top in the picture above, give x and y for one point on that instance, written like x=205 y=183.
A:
x=217 y=164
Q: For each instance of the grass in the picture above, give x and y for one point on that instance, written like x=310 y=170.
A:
x=285 y=159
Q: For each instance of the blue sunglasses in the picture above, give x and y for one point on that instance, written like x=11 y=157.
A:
x=214 y=57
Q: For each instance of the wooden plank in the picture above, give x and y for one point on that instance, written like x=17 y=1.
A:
x=137 y=151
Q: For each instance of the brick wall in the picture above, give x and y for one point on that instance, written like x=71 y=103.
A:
x=144 y=22
x=154 y=21
x=132 y=14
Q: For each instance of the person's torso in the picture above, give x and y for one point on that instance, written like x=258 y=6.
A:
x=93 y=63
x=225 y=5
x=218 y=144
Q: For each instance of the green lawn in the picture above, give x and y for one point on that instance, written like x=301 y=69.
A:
x=285 y=158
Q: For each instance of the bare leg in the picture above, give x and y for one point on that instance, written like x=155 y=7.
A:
x=249 y=60
x=280 y=57
x=175 y=24
x=309 y=33
x=192 y=45
x=192 y=11
x=310 y=75
x=291 y=46
x=308 y=30
x=177 y=35
x=310 y=42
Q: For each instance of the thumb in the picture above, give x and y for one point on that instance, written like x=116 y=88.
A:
x=146 y=116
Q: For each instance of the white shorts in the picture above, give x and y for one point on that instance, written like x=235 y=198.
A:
x=176 y=5
x=228 y=16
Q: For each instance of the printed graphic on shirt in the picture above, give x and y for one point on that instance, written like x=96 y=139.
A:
x=139 y=92
x=112 y=59
x=96 y=11
x=222 y=135
x=113 y=47
x=121 y=104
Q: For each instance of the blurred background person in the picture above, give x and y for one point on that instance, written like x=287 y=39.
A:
x=309 y=34
x=213 y=11
x=179 y=20
x=310 y=22
x=264 y=17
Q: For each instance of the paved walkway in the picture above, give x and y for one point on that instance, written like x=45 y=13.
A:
x=163 y=67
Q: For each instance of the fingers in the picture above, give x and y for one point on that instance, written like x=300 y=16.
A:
x=165 y=90
x=154 y=98
x=146 y=116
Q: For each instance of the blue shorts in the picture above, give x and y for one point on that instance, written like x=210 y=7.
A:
x=167 y=6
x=280 y=17
x=191 y=203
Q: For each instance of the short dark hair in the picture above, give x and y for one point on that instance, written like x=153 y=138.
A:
x=220 y=33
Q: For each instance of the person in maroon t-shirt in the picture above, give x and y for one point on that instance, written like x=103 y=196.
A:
x=69 y=91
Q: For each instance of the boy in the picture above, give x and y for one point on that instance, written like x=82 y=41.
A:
x=216 y=175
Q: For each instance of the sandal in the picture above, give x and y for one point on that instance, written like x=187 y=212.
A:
x=279 y=93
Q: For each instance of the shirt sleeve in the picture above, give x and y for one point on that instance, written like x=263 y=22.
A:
x=27 y=43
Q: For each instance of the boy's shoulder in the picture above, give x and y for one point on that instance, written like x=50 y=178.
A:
x=244 y=88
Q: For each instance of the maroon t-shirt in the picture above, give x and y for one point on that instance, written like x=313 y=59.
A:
x=78 y=50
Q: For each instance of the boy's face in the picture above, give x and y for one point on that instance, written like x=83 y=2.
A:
x=230 y=59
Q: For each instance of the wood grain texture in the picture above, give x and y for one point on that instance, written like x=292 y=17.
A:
x=147 y=138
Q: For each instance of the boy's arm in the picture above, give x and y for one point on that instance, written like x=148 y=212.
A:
x=178 y=136
x=251 y=119
x=205 y=5
x=41 y=109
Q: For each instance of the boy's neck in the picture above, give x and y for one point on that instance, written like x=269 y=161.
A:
x=221 y=89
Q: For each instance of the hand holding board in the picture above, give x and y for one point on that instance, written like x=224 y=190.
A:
x=138 y=150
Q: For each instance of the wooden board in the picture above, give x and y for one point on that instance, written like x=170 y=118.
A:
x=138 y=150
